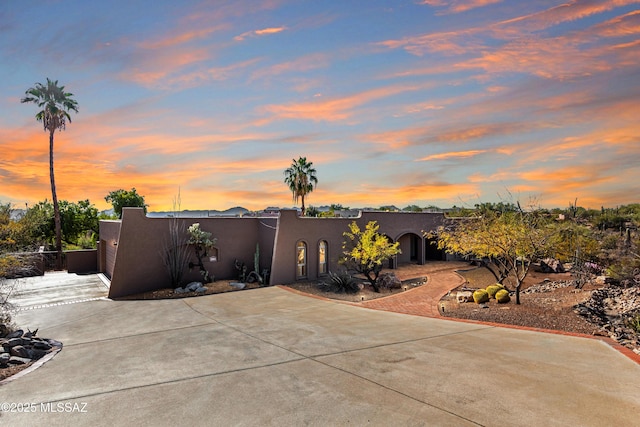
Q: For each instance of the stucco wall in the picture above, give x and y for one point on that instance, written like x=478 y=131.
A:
x=292 y=228
x=131 y=249
x=139 y=261
x=82 y=261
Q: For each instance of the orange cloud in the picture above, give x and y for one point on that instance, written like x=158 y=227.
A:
x=262 y=32
x=458 y=6
x=566 y=12
x=335 y=109
x=452 y=155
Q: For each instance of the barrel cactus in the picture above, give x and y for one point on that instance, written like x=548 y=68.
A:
x=502 y=296
x=492 y=289
x=480 y=296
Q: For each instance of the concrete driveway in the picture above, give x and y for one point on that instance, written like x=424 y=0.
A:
x=270 y=357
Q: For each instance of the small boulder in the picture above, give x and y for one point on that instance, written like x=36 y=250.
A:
x=464 y=296
x=389 y=281
x=551 y=265
x=17 y=360
x=191 y=287
x=19 y=351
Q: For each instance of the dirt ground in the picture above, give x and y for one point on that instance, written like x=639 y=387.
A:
x=548 y=309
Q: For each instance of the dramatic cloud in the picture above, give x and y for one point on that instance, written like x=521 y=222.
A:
x=427 y=102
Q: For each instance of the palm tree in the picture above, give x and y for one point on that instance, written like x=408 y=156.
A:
x=55 y=105
x=301 y=179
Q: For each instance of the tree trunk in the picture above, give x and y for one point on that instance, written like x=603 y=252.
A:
x=303 y=209
x=56 y=208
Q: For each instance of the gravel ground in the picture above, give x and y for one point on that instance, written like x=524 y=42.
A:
x=546 y=301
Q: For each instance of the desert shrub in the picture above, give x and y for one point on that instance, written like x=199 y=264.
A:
x=634 y=322
x=340 y=283
x=502 y=296
x=492 y=289
x=19 y=265
x=480 y=296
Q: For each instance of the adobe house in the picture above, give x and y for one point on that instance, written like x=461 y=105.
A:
x=293 y=248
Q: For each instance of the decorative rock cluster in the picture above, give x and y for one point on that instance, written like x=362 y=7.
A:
x=546 y=286
x=389 y=281
x=19 y=348
x=191 y=287
x=614 y=309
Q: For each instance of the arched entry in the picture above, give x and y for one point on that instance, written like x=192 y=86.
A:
x=411 y=245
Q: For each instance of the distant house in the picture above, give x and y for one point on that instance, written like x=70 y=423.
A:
x=292 y=247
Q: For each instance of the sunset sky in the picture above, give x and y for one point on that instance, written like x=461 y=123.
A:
x=426 y=102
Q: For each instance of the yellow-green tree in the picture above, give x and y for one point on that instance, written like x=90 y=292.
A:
x=510 y=241
x=365 y=251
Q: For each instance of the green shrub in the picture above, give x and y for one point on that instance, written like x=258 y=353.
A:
x=340 y=283
x=634 y=322
x=502 y=296
x=492 y=289
x=480 y=296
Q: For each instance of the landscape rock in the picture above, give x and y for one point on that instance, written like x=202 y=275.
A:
x=17 y=360
x=612 y=308
x=193 y=286
x=179 y=291
x=389 y=281
x=464 y=296
x=15 y=334
x=14 y=342
x=23 y=348
x=19 y=351
x=551 y=265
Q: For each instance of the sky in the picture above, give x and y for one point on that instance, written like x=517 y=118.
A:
x=418 y=102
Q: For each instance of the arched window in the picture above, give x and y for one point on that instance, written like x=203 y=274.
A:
x=301 y=260
x=322 y=257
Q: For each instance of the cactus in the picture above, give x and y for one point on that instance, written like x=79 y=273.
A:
x=502 y=296
x=480 y=296
x=492 y=289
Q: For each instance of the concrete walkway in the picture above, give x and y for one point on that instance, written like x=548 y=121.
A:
x=54 y=288
x=269 y=357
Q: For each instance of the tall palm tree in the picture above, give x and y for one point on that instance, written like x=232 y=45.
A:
x=301 y=179
x=55 y=106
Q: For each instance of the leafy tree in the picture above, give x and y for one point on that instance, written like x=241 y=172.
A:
x=301 y=179
x=77 y=219
x=366 y=250
x=313 y=211
x=412 y=208
x=510 y=241
x=55 y=106
x=125 y=199
x=6 y=233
